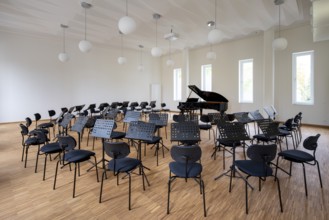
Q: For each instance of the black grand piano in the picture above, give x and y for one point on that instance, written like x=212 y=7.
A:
x=212 y=100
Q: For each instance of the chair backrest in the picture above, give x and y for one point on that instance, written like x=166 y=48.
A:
x=24 y=129
x=153 y=104
x=64 y=110
x=205 y=118
x=310 y=143
x=186 y=154
x=37 y=116
x=288 y=123
x=28 y=121
x=143 y=104
x=51 y=113
x=67 y=143
x=125 y=104
x=163 y=105
x=116 y=150
x=262 y=153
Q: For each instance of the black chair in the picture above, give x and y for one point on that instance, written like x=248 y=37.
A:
x=287 y=130
x=270 y=132
x=299 y=156
x=120 y=163
x=259 y=166
x=48 y=149
x=45 y=125
x=206 y=125
x=70 y=155
x=35 y=138
x=185 y=166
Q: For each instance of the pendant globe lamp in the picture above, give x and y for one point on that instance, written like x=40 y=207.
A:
x=279 y=43
x=141 y=66
x=211 y=55
x=127 y=24
x=63 y=56
x=170 y=62
x=84 y=45
x=122 y=59
x=156 y=51
x=215 y=35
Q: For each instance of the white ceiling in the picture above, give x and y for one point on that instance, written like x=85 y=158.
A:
x=235 y=18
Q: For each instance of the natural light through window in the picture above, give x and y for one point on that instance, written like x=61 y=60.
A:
x=177 y=84
x=302 y=73
x=206 y=71
x=246 y=81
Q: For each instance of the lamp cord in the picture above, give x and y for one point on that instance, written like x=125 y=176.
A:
x=126 y=7
x=64 y=40
x=122 y=45
x=279 y=20
x=156 y=33
x=215 y=14
x=85 y=24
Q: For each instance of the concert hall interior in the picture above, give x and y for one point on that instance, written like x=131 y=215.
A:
x=181 y=57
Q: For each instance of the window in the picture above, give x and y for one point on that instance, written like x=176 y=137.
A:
x=302 y=78
x=177 y=84
x=246 y=81
x=206 y=71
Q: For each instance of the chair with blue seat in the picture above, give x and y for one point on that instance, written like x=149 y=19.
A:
x=120 y=163
x=71 y=155
x=303 y=157
x=258 y=166
x=185 y=166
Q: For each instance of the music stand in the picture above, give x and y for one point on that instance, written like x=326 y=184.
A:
x=140 y=131
x=234 y=132
x=78 y=127
x=131 y=116
x=102 y=129
x=65 y=122
x=185 y=132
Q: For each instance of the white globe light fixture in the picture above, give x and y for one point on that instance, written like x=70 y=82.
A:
x=127 y=25
x=215 y=35
x=211 y=55
x=63 y=56
x=122 y=60
x=279 y=43
x=84 y=45
x=156 y=51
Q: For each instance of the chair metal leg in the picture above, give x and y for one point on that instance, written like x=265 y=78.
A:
x=44 y=168
x=101 y=191
x=26 y=152
x=96 y=169
x=305 y=183
x=279 y=191
x=317 y=163
x=204 y=199
x=37 y=160
x=246 y=189
x=169 y=189
x=56 y=174
x=75 y=178
x=129 y=207
x=23 y=152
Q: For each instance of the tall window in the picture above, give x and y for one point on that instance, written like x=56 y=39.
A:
x=206 y=71
x=246 y=81
x=177 y=84
x=302 y=78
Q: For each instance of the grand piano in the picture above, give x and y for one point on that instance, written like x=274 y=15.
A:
x=212 y=100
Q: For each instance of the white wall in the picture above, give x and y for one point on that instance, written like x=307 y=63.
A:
x=272 y=73
x=300 y=39
x=32 y=79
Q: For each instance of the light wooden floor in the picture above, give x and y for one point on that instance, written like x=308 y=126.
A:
x=23 y=194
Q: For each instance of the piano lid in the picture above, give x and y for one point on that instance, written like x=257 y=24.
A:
x=208 y=96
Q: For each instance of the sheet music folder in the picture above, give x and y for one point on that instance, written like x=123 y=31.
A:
x=103 y=128
x=79 y=124
x=131 y=116
x=66 y=120
x=139 y=130
x=233 y=132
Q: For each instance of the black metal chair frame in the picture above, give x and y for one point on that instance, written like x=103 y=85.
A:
x=186 y=155
x=293 y=156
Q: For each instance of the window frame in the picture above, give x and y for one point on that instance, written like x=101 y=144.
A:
x=294 y=77
x=205 y=78
x=177 y=86
x=241 y=90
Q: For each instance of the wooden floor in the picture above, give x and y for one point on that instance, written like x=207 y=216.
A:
x=23 y=194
